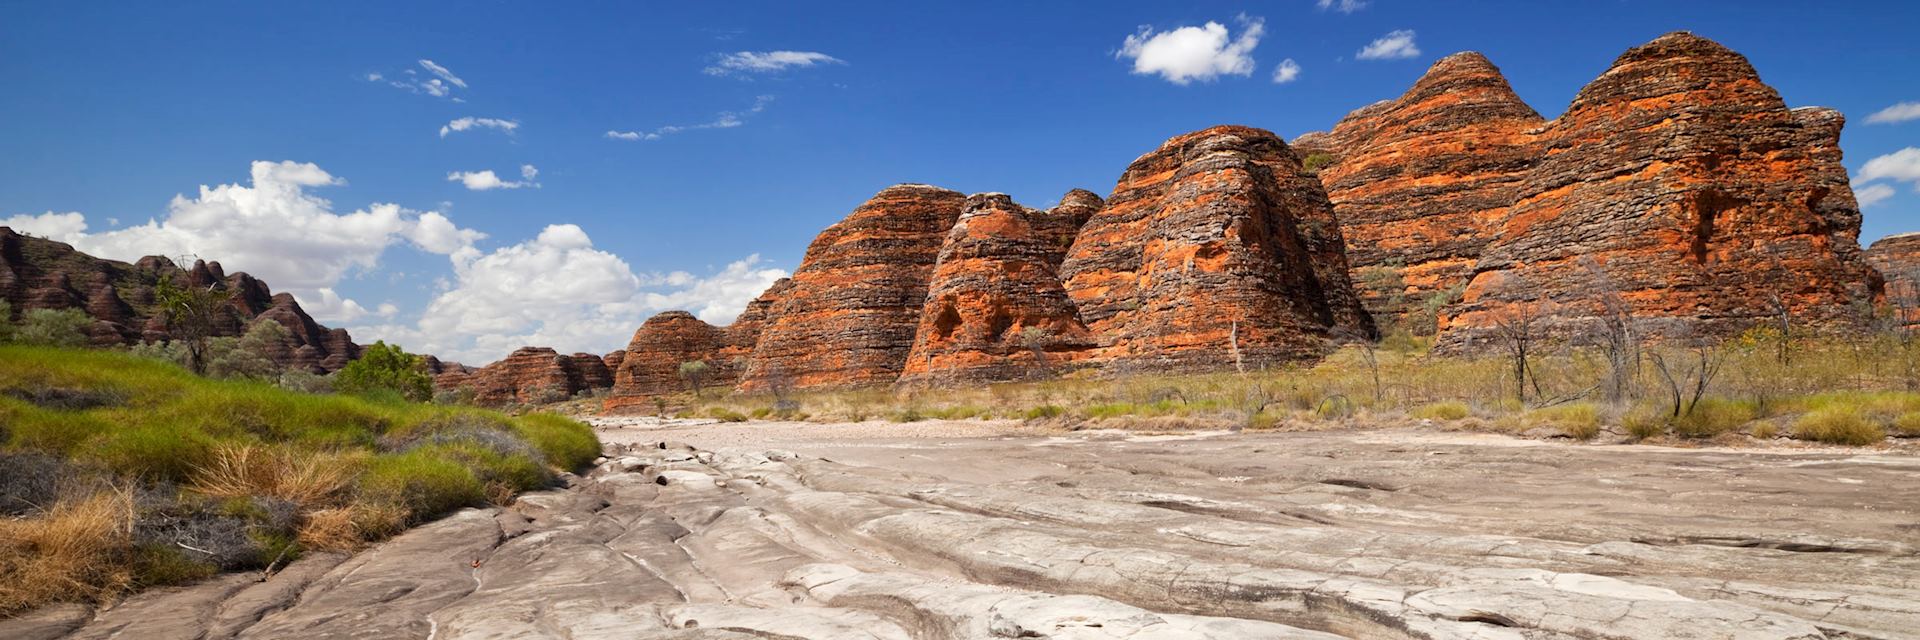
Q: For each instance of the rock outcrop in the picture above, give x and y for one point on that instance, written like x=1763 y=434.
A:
x=849 y=316
x=995 y=309
x=651 y=364
x=1897 y=258
x=447 y=376
x=1421 y=183
x=531 y=375
x=1216 y=248
x=1682 y=183
x=37 y=273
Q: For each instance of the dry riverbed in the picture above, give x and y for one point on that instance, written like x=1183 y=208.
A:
x=996 y=529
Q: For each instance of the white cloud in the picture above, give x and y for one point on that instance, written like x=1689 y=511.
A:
x=273 y=229
x=1286 y=72
x=1394 y=45
x=1901 y=112
x=722 y=120
x=441 y=86
x=1194 y=53
x=487 y=180
x=744 y=62
x=1872 y=194
x=443 y=73
x=558 y=290
x=463 y=124
x=1342 y=6
x=1902 y=165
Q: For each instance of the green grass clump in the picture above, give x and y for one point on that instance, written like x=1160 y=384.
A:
x=567 y=443
x=1449 y=410
x=1906 y=425
x=1045 y=411
x=1580 y=420
x=425 y=481
x=1713 y=416
x=1644 y=422
x=724 y=414
x=1837 y=425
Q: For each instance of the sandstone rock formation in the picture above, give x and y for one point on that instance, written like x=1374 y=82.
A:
x=1421 y=183
x=1897 y=258
x=651 y=365
x=36 y=273
x=1215 y=248
x=995 y=308
x=854 y=303
x=1680 y=181
x=531 y=375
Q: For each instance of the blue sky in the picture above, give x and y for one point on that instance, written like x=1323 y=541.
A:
x=112 y=111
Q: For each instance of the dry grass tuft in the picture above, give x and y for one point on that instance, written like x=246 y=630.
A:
x=308 y=479
x=76 y=551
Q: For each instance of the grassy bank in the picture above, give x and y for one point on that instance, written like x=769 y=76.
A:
x=1834 y=391
x=119 y=472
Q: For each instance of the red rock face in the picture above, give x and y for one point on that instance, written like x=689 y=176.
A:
x=42 y=274
x=995 y=309
x=849 y=317
x=613 y=360
x=1421 y=183
x=651 y=366
x=1214 y=243
x=531 y=375
x=593 y=371
x=1897 y=258
x=1688 y=183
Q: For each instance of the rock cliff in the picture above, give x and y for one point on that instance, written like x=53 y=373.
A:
x=1215 y=248
x=995 y=309
x=1897 y=258
x=532 y=375
x=850 y=313
x=1421 y=183
x=651 y=364
x=1684 y=184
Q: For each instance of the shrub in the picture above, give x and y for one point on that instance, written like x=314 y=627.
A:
x=385 y=367
x=1766 y=431
x=1907 y=425
x=306 y=382
x=1580 y=421
x=1449 y=410
x=53 y=328
x=1045 y=411
x=29 y=482
x=567 y=443
x=1837 y=425
x=910 y=414
x=424 y=483
x=1713 y=416
x=1644 y=422
x=724 y=414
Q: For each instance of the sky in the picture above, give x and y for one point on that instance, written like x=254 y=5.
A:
x=467 y=178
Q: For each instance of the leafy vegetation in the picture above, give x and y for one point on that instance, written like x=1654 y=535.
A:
x=242 y=473
x=385 y=368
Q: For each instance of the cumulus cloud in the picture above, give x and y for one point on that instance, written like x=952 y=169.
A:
x=274 y=229
x=559 y=290
x=463 y=124
x=487 y=180
x=1901 y=112
x=1286 y=72
x=1902 y=165
x=1872 y=194
x=760 y=62
x=441 y=85
x=1194 y=53
x=1395 y=45
x=722 y=120
x=1342 y=6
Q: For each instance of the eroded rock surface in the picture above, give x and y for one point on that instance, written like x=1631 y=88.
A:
x=530 y=375
x=651 y=365
x=853 y=305
x=1897 y=258
x=1681 y=181
x=1421 y=183
x=1314 y=535
x=1218 y=243
x=995 y=309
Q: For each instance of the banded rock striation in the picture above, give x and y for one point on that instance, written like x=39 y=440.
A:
x=1897 y=258
x=532 y=375
x=1684 y=184
x=36 y=273
x=651 y=364
x=995 y=309
x=1421 y=183
x=854 y=303
x=1216 y=248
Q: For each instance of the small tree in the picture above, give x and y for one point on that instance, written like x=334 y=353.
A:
x=53 y=328
x=1617 y=334
x=1036 y=340
x=385 y=367
x=695 y=373
x=191 y=313
x=1515 y=328
x=250 y=356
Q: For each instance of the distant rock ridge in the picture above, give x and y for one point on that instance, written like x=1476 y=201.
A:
x=1897 y=259
x=36 y=273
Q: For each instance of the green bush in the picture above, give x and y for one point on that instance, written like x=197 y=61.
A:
x=1906 y=425
x=1448 y=410
x=724 y=414
x=568 y=444
x=1045 y=411
x=1713 y=416
x=1837 y=425
x=1644 y=422
x=385 y=367
x=53 y=328
x=1579 y=420
x=424 y=481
